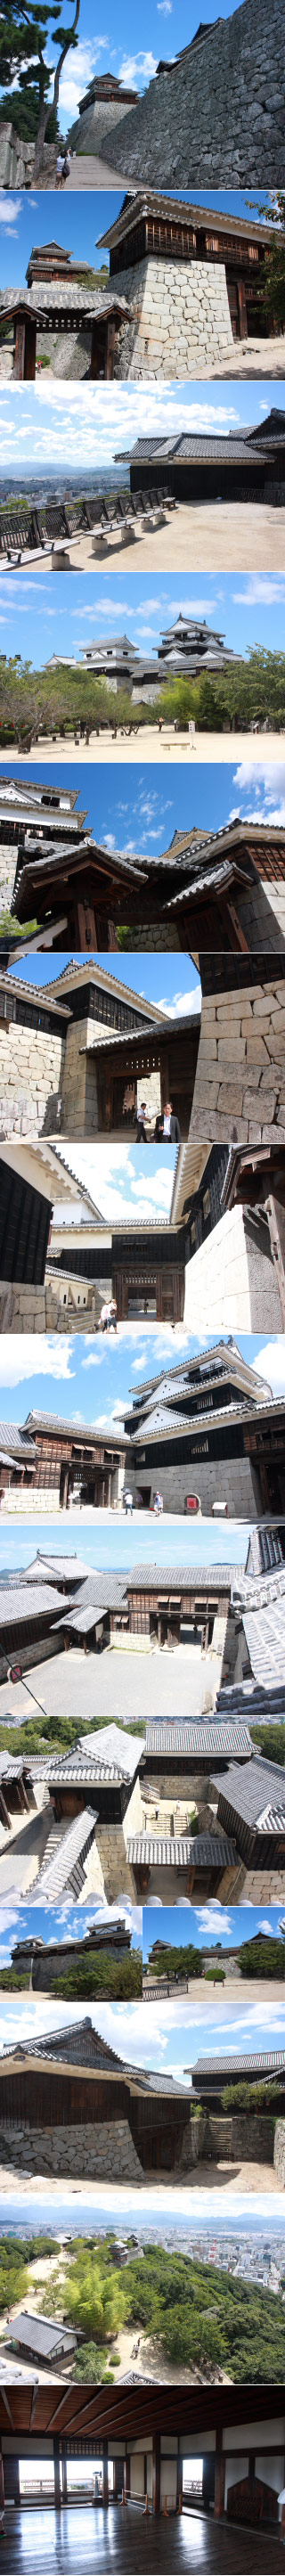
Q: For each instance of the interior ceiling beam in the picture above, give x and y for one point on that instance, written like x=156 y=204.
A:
x=133 y=2413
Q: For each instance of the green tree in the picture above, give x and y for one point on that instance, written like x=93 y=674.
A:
x=90 y=2364
x=262 y=1958
x=26 y=28
x=102 y=1976
x=95 y=2298
x=176 y=1960
x=271 y=288
x=270 y=1740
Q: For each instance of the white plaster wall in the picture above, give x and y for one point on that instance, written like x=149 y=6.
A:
x=181 y=317
x=232 y=1280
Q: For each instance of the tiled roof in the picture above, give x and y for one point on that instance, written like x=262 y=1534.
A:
x=180 y=1578
x=40 y=2335
x=16 y=1442
x=190 y=445
x=110 y=1747
x=253 y=1791
x=56 y=1873
x=262 y=2059
x=205 y=1737
x=265 y=1639
x=179 y=209
x=64 y=296
x=209 y=1850
x=29 y=1602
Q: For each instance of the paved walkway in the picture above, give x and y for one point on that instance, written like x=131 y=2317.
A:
x=88 y=172
x=113 y=1685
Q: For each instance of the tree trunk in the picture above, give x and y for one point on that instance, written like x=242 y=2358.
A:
x=46 y=107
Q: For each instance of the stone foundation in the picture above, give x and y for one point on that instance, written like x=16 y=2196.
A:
x=89 y=132
x=107 y=2152
x=231 y=1481
x=222 y=105
x=31 y=1070
x=240 y=1081
x=279 y=2152
x=181 y=318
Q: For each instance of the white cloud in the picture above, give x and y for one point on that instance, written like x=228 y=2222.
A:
x=103 y=419
x=9 y=206
x=270 y=1364
x=267 y=588
x=213 y=1918
x=137 y=67
x=164 y=8
x=50 y=1357
x=182 y=1002
x=77 y=72
x=268 y=784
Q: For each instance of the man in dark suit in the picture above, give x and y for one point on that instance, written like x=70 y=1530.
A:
x=167 y=1129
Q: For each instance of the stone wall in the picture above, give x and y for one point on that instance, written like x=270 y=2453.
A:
x=261 y=912
x=240 y=1081
x=229 y=1481
x=31 y=1068
x=88 y=134
x=248 y=2137
x=107 y=2152
x=181 y=318
x=8 y=860
x=223 y=105
x=56 y=1308
x=279 y=2152
x=232 y=1278
x=39 y=1652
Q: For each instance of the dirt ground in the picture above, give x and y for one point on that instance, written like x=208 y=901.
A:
x=152 y=745
x=223 y=536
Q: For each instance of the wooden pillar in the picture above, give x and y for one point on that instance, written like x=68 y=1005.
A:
x=25 y=343
x=64 y=2473
x=19 y=347
x=145 y=2473
x=179 y=2482
x=127 y=2475
x=110 y=350
x=156 y=2443
x=242 y=309
x=220 y=2478
x=2 y=2489
x=85 y=924
x=57 y=2477
x=105 y=2472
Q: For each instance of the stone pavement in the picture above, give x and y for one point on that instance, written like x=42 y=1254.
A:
x=87 y=171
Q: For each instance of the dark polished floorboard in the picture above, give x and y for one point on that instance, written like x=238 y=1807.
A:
x=40 y=2544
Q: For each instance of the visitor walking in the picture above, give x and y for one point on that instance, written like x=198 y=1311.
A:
x=141 y=1115
x=108 y=1317
x=128 y=1503
x=158 y=1505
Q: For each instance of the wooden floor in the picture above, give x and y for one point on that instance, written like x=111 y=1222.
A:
x=84 y=2538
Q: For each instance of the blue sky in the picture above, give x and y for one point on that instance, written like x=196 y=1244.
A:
x=167 y=26
x=97 y=1382
x=208 y=1924
x=46 y=425
x=49 y=1923
x=79 y=226
x=132 y=810
x=168 y=2036
x=124 y=1547
x=169 y=982
x=246 y=609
